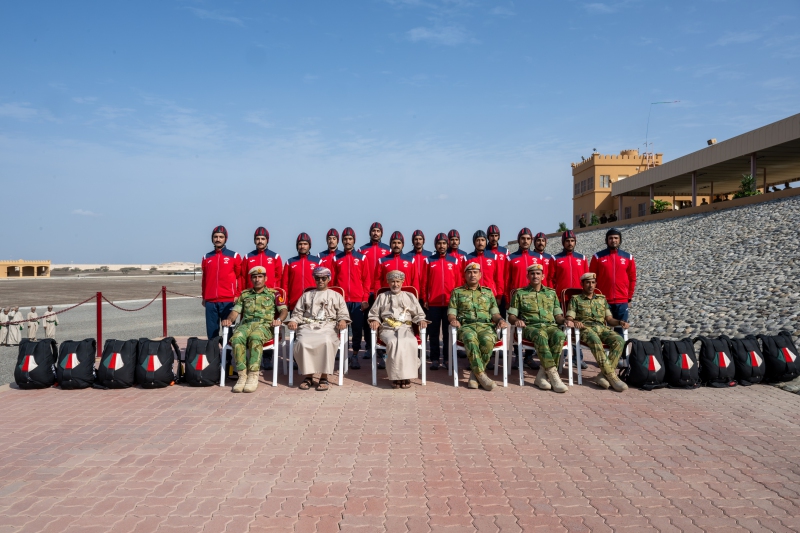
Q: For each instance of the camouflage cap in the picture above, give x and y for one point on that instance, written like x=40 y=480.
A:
x=472 y=266
x=589 y=275
x=535 y=267
x=257 y=270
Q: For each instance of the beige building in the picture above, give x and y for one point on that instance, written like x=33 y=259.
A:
x=24 y=269
x=591 y=184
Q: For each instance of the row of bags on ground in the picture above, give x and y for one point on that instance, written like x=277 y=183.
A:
x=722 y=361
x=123 y=364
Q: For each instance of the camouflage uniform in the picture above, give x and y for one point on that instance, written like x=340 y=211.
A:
x=538 y=310
x=258 y=310
x=474 y=309
x=592 y=312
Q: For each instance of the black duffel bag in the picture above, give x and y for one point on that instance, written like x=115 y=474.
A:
x=681 y=364
x=201 y=362
x=75 y=366
x=35 y=364
x=645 y=368
x=154 y=363
x=748 y=359
x=780 y=356
x=117 y=369
x=716 y=363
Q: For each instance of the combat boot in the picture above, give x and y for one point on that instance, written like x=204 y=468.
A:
x=485 y=381
x=601 y=381
x=616 y=383
x=252 y=382
x=541 y=379
x=239 y=387
x=555 y=380
x=472 y=383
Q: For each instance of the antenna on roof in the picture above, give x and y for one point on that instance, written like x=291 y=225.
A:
x=648 y=153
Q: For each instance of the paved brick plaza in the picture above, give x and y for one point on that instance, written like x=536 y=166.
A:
x=432 y=458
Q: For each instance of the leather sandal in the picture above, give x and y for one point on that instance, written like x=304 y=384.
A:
x=407 y=384
x=306 y=384
x=396 y=384
x=322 y=385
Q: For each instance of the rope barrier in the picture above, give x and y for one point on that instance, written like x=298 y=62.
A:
x=55 y=313
x=132 y=310
x=181 y=294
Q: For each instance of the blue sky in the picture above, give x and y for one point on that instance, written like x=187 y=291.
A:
x=129 y=129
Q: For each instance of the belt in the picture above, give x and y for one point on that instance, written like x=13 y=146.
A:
x=476 y=321
x=396 y=323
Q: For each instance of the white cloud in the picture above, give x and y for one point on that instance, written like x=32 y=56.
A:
x=444 y=35
x=110 y=113
x=84 y=99
x=502 y=11
x=84 y=213
x=737 y=38
x=257 y=118
x=599 y=7
x=310 y=77
x=25 y=112
x=214 y=15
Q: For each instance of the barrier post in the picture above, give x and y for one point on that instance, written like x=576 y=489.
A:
x=164 y=308
x=99 y=324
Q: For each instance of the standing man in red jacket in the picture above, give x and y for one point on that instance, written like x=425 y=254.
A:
x=326 y=258
x=420 y=255
x=616 y=275
x=264 y=257
x=298 y=273
x=374 y=251
x=547 y=261
x=501 y=255
x=396 y=260
x=570 y=266
x=442 y=275
x=353 y=273
x=221 y=274
x=454 y=241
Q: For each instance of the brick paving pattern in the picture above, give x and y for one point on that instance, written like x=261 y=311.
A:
x=433 y=458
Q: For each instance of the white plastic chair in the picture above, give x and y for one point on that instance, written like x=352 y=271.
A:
x=270 y=345
x=344 y=365
x=377 y=343
x=501 y=346
x=522 y=343
x=576 y=334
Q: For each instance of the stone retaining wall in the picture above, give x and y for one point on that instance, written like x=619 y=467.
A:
x=734 y=272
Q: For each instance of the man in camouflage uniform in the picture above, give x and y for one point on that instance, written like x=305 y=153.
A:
x=473 y=312
x=536 y=310
x=257 y=307
x=590 y=313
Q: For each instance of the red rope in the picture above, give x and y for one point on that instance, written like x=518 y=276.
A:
x=56 y=313
x=132 y=310
x=181 y=294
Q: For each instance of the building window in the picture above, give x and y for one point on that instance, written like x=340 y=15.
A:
x=583 y=186
x=628 y=212
x=620 y=178
x=605 y=182
x=590 y=184
x=577 y=189
x=642 y=209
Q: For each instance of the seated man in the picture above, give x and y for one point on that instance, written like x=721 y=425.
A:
x=257 y=307
x=536 y=310
x=473 y=311
x=318 y=318
x=589 y=312
x=393 y=312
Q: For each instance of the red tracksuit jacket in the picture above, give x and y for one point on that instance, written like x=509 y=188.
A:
x=298 y=275
x=352 y=272
x=419 y=270
x=401 y=262
x=490 y=275
x=326 y=259
x=616 y=275
x=502 y=264
x=517 y=269
x=442 y=275
x=374 y=252
x=569 y=267
x=271 y=262
x=222 y=272
x=458 y=253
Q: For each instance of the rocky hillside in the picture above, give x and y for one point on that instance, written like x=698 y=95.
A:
x=734 y=272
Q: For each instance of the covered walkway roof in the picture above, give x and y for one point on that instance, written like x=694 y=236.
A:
x=777 y=155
